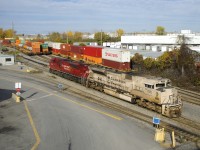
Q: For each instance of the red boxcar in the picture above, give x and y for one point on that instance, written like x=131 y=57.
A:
x=125 y=66
x=68 y=68
x=77 y=49
x=93 y=51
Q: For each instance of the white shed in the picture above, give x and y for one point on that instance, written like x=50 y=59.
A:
x=6 y=60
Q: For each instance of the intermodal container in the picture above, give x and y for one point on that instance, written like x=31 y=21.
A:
x=56 y=45
x=117 y=55
x=66 y=47
x=93 y=60
x=93 y=51
x=36 y=45
x=124 y=66
x=76 y=56
x=64 y=53
x=77 y=49
x=36 y=50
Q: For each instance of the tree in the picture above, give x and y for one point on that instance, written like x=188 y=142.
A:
x=78 y=36
x=160 y=30
x=55 y=37
x=137 y=59
x=185 y=58
x=1 y=33
x=70 y=35
x=101 y=37
x=149 y=63
x=9 y=33
x=119 y=32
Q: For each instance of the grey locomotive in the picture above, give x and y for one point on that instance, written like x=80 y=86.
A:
x=154 y=93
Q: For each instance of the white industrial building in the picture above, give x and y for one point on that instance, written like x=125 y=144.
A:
x=6 y=60
x=160 y=42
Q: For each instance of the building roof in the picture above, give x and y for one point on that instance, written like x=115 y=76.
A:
x=1 y=55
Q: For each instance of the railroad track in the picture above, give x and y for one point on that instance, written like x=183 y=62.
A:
x=189 y=96
x=185 y=129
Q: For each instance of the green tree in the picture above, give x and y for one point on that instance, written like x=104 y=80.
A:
x=101 y=37
x=160 y=30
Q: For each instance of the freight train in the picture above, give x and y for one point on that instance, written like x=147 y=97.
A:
x=150 y=92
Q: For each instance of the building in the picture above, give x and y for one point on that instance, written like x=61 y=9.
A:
x=6 y=60
x=162 y=43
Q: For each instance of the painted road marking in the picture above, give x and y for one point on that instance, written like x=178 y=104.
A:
x=88 y=107
x=33 y=99
x=78 y=103
x=37 y=137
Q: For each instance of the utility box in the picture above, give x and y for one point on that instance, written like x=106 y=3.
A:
x=160 y=135
x=6 y=60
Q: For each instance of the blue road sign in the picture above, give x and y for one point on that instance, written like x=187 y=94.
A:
x=60 y=86
x=156 y=120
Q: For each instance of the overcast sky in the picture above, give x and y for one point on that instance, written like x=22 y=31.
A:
x=44 y=16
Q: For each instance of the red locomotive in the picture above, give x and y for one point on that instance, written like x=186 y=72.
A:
x=69 y=69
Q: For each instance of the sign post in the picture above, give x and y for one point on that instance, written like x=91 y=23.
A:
x=18 y=87
x=156 y=122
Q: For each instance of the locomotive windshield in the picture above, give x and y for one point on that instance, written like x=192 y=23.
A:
x=160 y=85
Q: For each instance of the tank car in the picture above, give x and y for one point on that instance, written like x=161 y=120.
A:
x=151 y=92
x=69 y=69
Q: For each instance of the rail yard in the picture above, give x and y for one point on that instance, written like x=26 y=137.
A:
x=186 y=127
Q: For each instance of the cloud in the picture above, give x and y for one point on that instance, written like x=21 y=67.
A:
x=89 y=15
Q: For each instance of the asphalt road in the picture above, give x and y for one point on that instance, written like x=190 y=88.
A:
x=65 y=122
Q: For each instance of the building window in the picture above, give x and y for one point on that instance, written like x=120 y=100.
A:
x=8 y=59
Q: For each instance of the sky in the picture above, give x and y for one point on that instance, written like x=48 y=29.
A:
x=46 y=16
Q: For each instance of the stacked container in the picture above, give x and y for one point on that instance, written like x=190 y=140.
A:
x=77 y=52
x=65 y=50
x=44 y=48
x=36 y=48
x=93 y=54
x=56 y=48
x=116 y=58
x=6 y=42
x=29 y=45
x=17 y=42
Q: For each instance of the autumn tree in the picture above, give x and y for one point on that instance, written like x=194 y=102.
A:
x=70 y=35
x=185 y=58
x=160 y=30
x=137 y=59
x=119 y=32
x=149 y=63
x=78 y=36
x=9 y=33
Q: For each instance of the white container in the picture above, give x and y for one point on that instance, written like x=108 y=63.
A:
x=56 y=45
x=50 y=44
x=118 y=55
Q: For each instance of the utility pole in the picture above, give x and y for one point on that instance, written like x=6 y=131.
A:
x=101 y=37
x=13 y=38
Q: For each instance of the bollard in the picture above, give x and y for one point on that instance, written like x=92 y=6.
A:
x=160 y=135
x=173 y=140
x=16 y=98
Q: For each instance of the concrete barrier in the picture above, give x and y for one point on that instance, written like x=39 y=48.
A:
x=16 y=98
